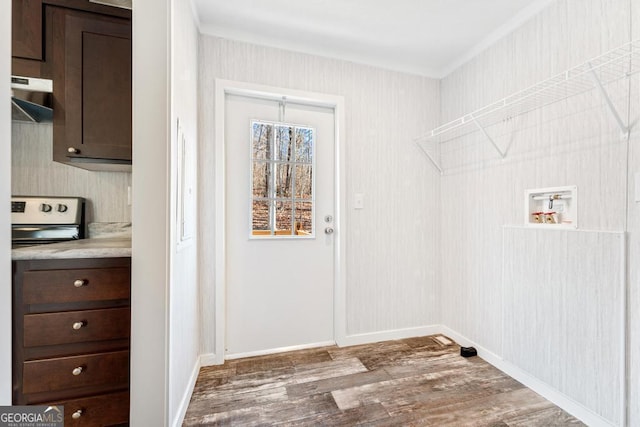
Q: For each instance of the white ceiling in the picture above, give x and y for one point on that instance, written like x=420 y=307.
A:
x=426 y=37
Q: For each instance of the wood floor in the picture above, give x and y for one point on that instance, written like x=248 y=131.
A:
x=410 y=382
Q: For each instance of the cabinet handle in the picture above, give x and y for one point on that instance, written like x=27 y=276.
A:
x=78 y=325
x=77 y=371
x=77 y=414
x=73 y=150
x=79 y=283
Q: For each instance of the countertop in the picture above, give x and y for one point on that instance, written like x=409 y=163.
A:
x=85 y=248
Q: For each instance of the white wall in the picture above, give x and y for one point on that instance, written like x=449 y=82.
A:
x=150 y=268
x=5 y=215
x=184 y=320
x=165 y=319
x=572 y=142
x=563 y=312
x=34 y=173
x=633 y=215
x=392 y=257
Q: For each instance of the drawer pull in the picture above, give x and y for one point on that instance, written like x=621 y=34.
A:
x=79 y=283
x=78 y=325
x=76 y=415
x=77 y=371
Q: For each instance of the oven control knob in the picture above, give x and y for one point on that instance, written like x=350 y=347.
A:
x=62 y=208
x=45 y=207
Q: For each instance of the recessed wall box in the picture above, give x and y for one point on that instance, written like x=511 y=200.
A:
x=554 y=207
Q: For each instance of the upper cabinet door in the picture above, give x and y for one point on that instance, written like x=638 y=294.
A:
x=26 y=29
x=92 y=89
x=31 y=32
x=27 y=39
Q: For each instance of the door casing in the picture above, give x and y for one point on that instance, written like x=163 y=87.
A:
x=223 y=88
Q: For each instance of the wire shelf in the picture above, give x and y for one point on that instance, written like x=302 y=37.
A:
x=617 y=64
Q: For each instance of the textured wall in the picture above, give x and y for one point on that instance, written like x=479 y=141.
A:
x=184 y=328
x=33 y=173
x=563 y=312
x=571 y=142
x=633 y=217
x=392 y=257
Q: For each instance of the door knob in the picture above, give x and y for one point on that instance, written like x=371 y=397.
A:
x=328 y=230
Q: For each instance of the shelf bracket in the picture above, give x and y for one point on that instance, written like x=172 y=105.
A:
x=484 y=132
x=431 y=158
x=623 y=128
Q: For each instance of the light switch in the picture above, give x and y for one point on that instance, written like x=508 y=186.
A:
x=358 y=201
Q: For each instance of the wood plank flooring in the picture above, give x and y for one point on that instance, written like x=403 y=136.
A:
x=411 y=382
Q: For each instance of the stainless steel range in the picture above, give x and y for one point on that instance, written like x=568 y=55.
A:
x=40 y=220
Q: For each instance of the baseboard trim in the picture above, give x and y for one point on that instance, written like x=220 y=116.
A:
x=559 y=399
x=279 y=350
x=210 y=359
x=186 y=398
x=388 y=335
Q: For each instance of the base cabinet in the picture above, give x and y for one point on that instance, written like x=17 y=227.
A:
x=71 y=337
x=106 y=409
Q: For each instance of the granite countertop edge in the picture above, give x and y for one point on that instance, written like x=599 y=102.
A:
x=85 y=248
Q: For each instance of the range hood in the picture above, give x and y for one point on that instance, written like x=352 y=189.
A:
x=31 y=99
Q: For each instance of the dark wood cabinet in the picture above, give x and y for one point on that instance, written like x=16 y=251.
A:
x=27 y=29
x=92 y=90
x=31 y=33
x=71 y=336
x=28 y=39
x=97 y=411
x=85 y=48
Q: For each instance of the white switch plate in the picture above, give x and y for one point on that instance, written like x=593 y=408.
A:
x=637 y=187
x=358 y=201
x=129 y=195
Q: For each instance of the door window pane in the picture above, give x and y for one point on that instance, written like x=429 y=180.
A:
x=304 y=216
x=260 y=215
x=261 y=174
x=284 y=212
x=260 y=144
x=304 y=181
x=284 y=136
x=282 y=179
x=304 y=145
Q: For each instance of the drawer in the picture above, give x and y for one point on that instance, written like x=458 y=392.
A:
x=75 y=285
x=76 y=326
x=63 y=373
x=102 y=410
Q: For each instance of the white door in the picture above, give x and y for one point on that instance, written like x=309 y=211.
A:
x=280 y=176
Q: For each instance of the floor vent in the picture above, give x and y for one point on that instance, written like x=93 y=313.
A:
x=443 y=340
